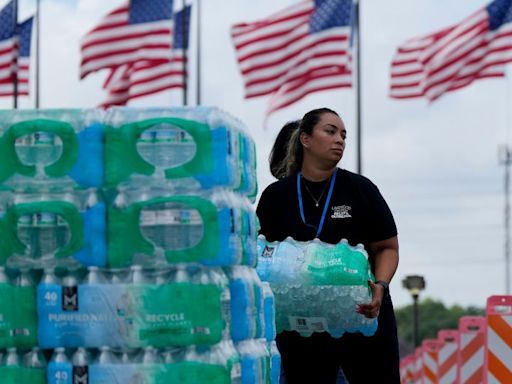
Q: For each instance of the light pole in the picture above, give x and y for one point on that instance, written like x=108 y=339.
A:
x=505 y=155
x=414 y=284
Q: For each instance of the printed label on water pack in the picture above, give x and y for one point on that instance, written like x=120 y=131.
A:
x=308 y=324
x=170 y=217
x=167 y=135
x=186 y=372
x=338 y=265
x=43 y=138
x=18 y=374
x=147 y=136
x=81 y=375
x=17 y=322
x=70 y=298
x=131 y=315
x=268 y=251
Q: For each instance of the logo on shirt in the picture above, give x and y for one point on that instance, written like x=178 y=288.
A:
x=340 y=212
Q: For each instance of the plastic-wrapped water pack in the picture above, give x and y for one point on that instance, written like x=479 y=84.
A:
x=51 y=149
x=38 y=230
x=216 y=364
x=247 y=304
x=317 y=286
x=154 y=227
x=22 y=366
x=180 y=305
x=255 y=359
x=190 y=148
x=18 y=316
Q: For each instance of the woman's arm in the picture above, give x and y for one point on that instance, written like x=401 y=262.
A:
x=385 y=256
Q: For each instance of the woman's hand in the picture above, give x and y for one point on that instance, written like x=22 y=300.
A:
x=371 y=310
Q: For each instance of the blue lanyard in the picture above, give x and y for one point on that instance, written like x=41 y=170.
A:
x=326 y=205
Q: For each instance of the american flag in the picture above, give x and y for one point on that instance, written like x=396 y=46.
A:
x=7 y=41
x=14 y=52
x=302 y=49
x=140 y=30
x=145 y=77
x=477 y=47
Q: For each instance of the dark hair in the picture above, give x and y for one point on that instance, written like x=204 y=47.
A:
x=277 y=157
x=287 y=153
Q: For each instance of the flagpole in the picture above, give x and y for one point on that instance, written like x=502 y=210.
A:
x=38 y=20
x=15 y=72
x=198 y=54
x=358 y=86
x=184 y=36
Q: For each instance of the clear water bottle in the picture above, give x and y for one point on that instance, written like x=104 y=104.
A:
x=81 y=361
x=149 y=355
x=106 y=356
x=181 y=274
x=26 y=310
x=165 y=146
x=12 y=358
x=225 y=354
x=119 y=276
x=49 y=296
x=95 y=276
x=49 y=277
x=139 y=275
x=275 y=362
x=44 y=233
x=192 y=354
x=162 y=277
x=173 y=355
x=269 y=312
x=34 y=359
x=4 y=278
x=172 y=226
x=60 y=370
x=39 y=149
x=126 y=356
x=243 y=309
x=253 y=361
x=25 y=279
x=258 y=302
x=218 y=277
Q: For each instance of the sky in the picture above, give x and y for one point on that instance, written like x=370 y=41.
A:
x=437 y=165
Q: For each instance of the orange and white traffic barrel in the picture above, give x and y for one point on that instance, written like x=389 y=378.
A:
x=447 y=357
x=430 y=354
x=418 y=366
x=498 y=350
x=407 y=369
x=470 y=356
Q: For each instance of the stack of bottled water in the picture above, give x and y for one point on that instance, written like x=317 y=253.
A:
x=173 y=295
x=184 y=181
x=317 y=286
x=51 y=215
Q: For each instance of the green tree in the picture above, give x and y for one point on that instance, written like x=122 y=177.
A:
x=433 y=316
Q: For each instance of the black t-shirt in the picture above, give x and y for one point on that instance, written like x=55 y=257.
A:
x=356 y=212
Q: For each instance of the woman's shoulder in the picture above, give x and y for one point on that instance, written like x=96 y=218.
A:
x=356 y=179
x=280 y=186
x=274 y=194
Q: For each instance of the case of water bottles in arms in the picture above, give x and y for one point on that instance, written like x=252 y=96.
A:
x=317 y=285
